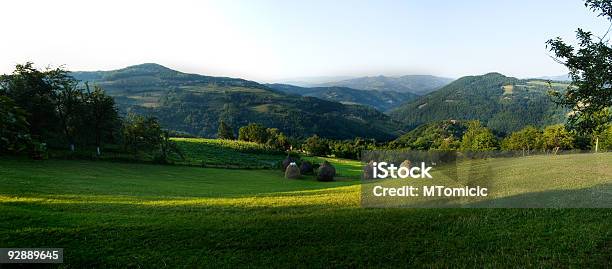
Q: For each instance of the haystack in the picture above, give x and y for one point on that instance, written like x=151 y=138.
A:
x=306 y=168
x=287 y=161
x=368 y=170
x=292 y=171
x=406 y=163
x=326 y=172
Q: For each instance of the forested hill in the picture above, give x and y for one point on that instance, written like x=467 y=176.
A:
x=381 y=100
x=417 y=84
x=195 y=104
x=502 y=103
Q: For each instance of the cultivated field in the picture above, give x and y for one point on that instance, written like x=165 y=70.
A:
x=112 y=214
x=227 y=153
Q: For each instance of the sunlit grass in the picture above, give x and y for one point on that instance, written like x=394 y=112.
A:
x=150 y=216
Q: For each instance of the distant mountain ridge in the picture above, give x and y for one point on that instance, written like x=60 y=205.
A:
x=381 y=100
x=416 y=84
x=504 y=104
x=565 y=77
x=195 y=104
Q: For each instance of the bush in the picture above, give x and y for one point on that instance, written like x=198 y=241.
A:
x=317 y=146
x=478 y=138
x=253 y=133
x=529 y=138
x=271 y=137
x=605 y=139
x=556 y=137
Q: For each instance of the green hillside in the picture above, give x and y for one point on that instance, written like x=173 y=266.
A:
x=417 y=84
x=195 y=104
x=381 y=100
x=503 y=103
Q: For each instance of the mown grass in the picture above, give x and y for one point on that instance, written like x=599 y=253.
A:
x=137 y=215
x=344 y=167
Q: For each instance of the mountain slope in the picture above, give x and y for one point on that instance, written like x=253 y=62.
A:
x=195 y=104
x=503 y=103
x=417 y=84
x=381 y=100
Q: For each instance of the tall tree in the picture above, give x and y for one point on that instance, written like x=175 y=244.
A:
x=141 y=133
x=14 y=133
x=590 y=67
x=527 y=139
x=225 y=131
x=316 y=146
x=253 y=132
x=556 y=137
x=69 y=103
x=103 y=115
x=30 y=90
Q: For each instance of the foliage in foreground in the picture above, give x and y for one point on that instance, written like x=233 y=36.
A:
x=589 y=96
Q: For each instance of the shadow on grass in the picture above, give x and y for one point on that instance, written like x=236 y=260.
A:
x=340 y=237
x=598 y=196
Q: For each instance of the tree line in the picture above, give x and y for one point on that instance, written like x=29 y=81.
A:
x=42 y=109
x=468 y=136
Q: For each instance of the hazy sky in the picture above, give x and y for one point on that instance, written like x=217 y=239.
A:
x=270 y=40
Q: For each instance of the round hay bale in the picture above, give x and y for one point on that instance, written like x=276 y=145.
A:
x=406 y=163
x=306 y=168
x=326 y=172
x=368 y=170
x=287 y=161
x=292 y=171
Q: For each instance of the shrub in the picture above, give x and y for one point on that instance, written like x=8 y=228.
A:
x=529 y=138
x=478 y=138
x=605 y=140
x=253 y=133
x=556 y=137
x=317 y=146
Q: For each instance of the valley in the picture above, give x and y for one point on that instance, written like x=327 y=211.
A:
x=194 y=104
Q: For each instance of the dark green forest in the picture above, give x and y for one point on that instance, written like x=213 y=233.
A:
x=504 y=104
x=194 y=104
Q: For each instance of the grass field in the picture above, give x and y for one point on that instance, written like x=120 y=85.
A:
x=151 y=216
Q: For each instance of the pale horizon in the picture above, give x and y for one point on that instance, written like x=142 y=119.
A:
x=271 y=41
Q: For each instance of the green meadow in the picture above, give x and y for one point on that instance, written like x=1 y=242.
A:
x=107 y=214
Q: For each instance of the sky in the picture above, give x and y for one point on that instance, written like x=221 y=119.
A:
x=279 y=40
